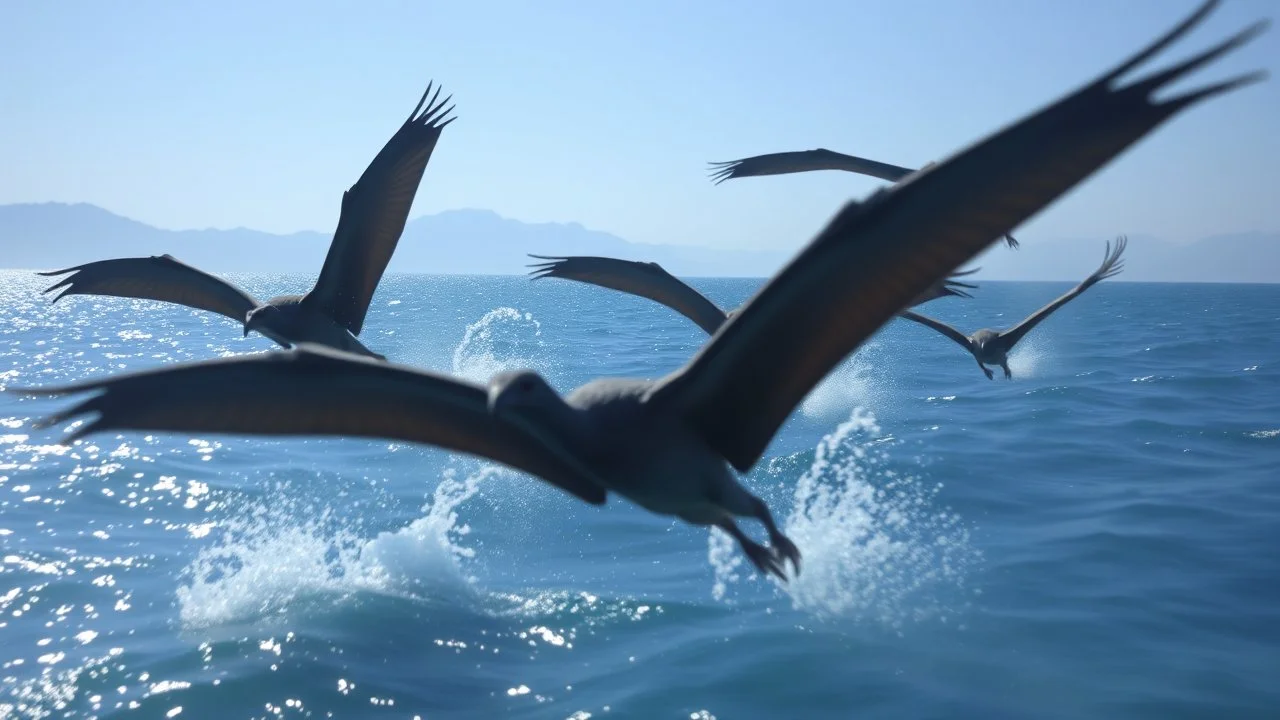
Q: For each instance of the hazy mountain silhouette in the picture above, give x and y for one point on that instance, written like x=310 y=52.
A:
x=1237 y=257
x=55 y=235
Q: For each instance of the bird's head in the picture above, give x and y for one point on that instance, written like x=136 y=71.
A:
x=259 y=317
x=518 y=390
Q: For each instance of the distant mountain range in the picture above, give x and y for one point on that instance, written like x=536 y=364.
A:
x=56 y=235
x=1232 y=258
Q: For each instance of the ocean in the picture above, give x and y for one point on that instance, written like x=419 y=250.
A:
x=1095 y=538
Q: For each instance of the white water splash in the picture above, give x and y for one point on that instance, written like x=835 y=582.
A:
x=268 y=562
x=877 y=551
x=1030 y=356
x=853 y=383
x=726 y=558
x=499 y=341
x=881 y=551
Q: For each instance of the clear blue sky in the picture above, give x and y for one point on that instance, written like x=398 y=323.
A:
x=259 y=114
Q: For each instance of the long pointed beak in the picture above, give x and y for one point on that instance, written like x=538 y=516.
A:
x=246 y=329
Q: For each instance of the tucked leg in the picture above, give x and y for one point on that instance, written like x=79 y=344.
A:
x=1005 y=366
x=781 y=543
x=759 y=555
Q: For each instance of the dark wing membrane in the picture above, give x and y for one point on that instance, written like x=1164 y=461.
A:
x=1110 y=267
x=646 y=279
x=374 y=213
x=872 y=259
x=161 y=278
x=785 y=163
x=940 y=326
x=312 y=390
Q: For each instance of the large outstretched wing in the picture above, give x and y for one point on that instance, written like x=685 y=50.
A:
x=785 y=163
x=159 y=277
x=313 y=390
x=645 y=279
x=874 y=257
x=1111 y=266
x=940 y=326
x=374 y=213
x=652 y=281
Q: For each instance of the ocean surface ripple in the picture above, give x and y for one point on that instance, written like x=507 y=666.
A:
x=1096 y=538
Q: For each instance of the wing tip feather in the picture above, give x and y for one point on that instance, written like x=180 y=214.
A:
x=547 y=268
x=1159 y=79
x=1160 y=43
x=1176 y=72
x=434 y=116
x=721 y=170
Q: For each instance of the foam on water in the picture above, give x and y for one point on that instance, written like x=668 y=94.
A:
x=427 y=556
x=496 y=342
x=268 y=562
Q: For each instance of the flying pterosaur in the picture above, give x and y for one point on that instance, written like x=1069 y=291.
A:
x=786 y=163
x=669 y=444
x=650 y=280
x=374 y=212
x=990 y=347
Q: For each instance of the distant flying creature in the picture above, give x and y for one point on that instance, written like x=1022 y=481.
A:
x=990 y=347
x=786 y=163
x=668 y=444
x=650 y=280
x=374 y=212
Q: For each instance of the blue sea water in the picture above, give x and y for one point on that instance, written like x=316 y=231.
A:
x=1095 y=538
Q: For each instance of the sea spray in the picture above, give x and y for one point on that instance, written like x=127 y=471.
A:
x=853 y=383
x=269 y=561
x=1030 y=356
x=876 y=547
x=501 y=340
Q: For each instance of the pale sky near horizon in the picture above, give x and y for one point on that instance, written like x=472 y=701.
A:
x=185 y=115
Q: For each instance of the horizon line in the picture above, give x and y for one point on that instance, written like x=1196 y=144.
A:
x=1218 y=234
x=402 y=273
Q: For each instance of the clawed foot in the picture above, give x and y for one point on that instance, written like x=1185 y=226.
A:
x=1008 y=375
x=785 y=549
x=765 y=560
x=990 y=375
x=769 y=560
